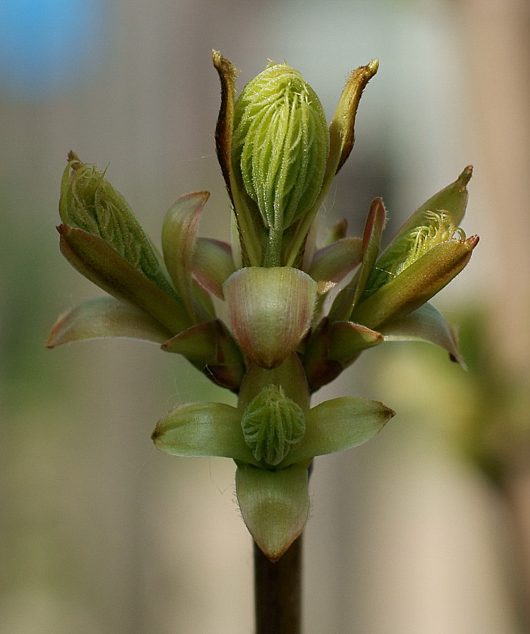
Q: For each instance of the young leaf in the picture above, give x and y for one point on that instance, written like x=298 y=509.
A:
x=342 y=128
x=415 y=285
x=211 y=349
x=89 y=202
x=270 y=311
x=179 y=234
x=371 y=244
x=424 y=324
x=448 y=204
x=246 y=213
x=212 y=264
x=334 y=262
x=339 y=424
x=274 y=505
x=105 y=317
x=100 y=263
x=202 y=429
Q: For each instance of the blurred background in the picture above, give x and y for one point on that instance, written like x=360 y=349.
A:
x=426 y=529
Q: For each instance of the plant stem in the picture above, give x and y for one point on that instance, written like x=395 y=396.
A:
x=514 y=493
x=278 y=591
x=274 y=247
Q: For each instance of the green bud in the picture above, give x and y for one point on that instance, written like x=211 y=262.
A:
x=412 y=245
x=417 y=283
x=272 y=423
x=280 y=145
x=433 y=222
x=89 y=202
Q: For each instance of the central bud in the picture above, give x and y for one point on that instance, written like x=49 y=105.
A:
x=272 y=423
x=280 y=147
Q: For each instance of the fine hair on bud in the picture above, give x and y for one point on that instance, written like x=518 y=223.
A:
x=280 y=144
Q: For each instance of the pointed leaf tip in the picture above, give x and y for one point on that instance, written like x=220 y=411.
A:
x=425 y=324
x=341 y=130
x=465 y=176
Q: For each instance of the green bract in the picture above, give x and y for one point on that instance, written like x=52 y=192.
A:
x=288 y=327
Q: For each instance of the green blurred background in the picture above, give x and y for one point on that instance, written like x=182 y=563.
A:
x=423 y=530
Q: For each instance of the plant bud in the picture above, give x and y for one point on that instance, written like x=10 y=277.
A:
x=280 y=145
x=272 y=423
x=89 y=202
x=417 y=283
x=270 y=311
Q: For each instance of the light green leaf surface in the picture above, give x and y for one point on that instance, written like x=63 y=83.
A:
x=425 y=324
x=371 y=244
x=89 y=202
x=179 y=234
x=339 y=424
x=105 y=317
x=100 y=263
x=451 y=199
x=212 y=264
x=203 y=429
x=270 y=311
x=414 y=286
x=334 y=262
x=274 y=505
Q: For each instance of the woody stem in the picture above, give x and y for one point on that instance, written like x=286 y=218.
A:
x=278 y=591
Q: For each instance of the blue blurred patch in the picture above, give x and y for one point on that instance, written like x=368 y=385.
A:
x=47 y=46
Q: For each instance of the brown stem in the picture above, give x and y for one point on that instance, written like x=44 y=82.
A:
x=515 y=493
x=278 y=591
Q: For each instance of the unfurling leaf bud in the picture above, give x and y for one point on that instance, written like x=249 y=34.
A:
x=280 y=145
x=89 y=202
x=272 y=423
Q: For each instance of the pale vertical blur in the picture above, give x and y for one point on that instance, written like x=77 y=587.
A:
x=102 y=534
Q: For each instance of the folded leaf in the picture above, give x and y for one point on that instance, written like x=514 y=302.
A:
x=211 y=349
x=342 y=128
x=371 y=243
x=105 y=317
x=246 y=212
x=425 y=324
x=415 y=285
x=212 y=264
x=339 y=424
x=274 y=505
x=179 y=234
x=270 y=311
x=203 y=429
x=333 y=347
x=101 y=264
x=451 y=201
x=334 y=262
x=347 y=339
x=290 y=376
x=89 y=202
